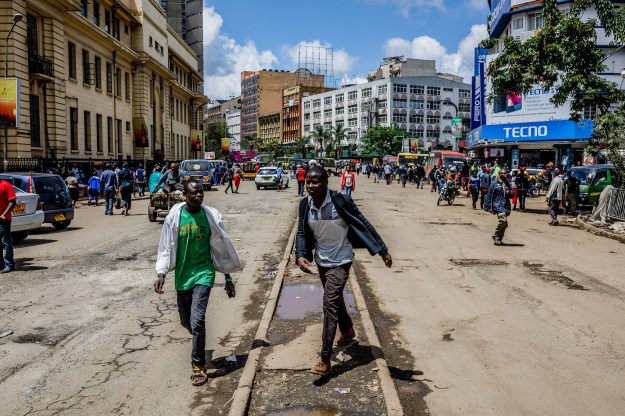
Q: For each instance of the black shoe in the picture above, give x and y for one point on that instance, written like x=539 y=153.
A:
x=554 y=223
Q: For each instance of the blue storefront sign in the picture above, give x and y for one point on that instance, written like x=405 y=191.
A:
x=499 y=14
x=556 y=130
x=478 y=109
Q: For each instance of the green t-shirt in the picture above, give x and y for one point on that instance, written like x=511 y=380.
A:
x=194 y=265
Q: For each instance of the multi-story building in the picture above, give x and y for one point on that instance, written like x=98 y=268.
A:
x=529 y=129
x=185 y=18
x=261 y=93
x=269 y=128
x=86 y=76
x=422 y=106
x=233 y=125
x=291 y=111
x=399 y=66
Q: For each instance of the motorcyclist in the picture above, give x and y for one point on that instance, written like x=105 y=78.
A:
x=171 y=178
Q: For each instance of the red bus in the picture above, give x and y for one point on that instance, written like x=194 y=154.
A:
x=445 y=158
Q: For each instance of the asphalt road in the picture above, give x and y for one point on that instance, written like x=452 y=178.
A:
x=530 y=328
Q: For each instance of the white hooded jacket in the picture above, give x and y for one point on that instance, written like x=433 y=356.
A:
x=224 y=255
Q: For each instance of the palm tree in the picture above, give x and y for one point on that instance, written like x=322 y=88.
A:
x=302 y=144
x=339 y=133
x=320 y=135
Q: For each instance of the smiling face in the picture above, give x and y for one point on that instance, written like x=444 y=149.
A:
x=316 y=184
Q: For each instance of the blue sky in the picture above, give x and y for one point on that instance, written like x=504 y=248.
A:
x=254 y=34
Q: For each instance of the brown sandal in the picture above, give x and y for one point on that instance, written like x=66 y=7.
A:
x=199 y=376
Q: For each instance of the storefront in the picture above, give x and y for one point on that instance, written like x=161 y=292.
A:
x=530 y=144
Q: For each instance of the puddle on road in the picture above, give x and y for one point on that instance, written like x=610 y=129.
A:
x=302 y=411
x=297 y=301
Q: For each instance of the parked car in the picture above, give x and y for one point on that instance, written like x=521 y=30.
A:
x=267 y=177
x=198 y=170
x=27 y=214
x=593 y=179
x=53 y=194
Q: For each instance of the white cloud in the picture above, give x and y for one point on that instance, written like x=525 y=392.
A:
x=342 y=62
x=406 y=6
x=225 y=59
x=459 y=62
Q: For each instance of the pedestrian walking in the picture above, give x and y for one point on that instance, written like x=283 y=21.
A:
x=497 y=202
x=515 y=190
x=229 y=176
x=72 y=185
x=387 y=173
x=7 y=203
x=523 y=185
x=474 y=188
x=125 y=188
x=237 y=175
x=572 y=192
x=93 y=189
x=420 y=174
x=108 y=182
x=348 y=181
x=402 y=171
x=485 y=182
x=195 y=244
x=554 y=196
x=140 y=177
x=432 y=177
x=301 y=180
x=331 y=225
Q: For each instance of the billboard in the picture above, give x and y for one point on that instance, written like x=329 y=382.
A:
x=225 y=144
x=234 y=145
x=209 y=155
x=456 y=127
x=414 y=145
x=498 y=9
x=140 y=132
x=9 y=102
x=196 y=140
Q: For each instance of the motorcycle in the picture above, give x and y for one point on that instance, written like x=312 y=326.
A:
x=448 y=193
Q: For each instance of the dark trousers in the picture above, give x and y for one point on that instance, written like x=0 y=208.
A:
x=554 y=207
x=474 y=196
x=125 y=191
x=300 y=187
x=7 y=244
x=482 y=196
x=521 y=194
x=109 y=197
x=229 y=185
x=334 y=310
x=192 y=310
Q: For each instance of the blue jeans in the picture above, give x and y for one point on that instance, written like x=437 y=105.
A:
x=7 y=243
x=521 y=195
x=347 y=190
x=216 y=177
x=300 y=187
x=109 y=197
x=192 y=310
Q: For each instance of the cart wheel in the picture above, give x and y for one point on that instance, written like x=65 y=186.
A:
x=450 y=200
x=151 y=214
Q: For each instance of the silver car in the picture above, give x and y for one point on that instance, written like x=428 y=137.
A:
x=27 y=215
x=268 y=177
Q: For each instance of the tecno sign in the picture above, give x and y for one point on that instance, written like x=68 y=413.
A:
x=529 y=131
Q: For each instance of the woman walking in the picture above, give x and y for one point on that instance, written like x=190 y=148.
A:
x=93 y=188
x=125 y=188
x=237 y=178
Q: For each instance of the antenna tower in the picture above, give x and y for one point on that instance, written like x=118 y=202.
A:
x=315 y=67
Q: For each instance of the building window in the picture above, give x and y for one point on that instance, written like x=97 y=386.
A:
x=464 y=93
x=96 y=13
x=87 y=69
x=71 y=54
x=109 y=78
x=416 y=118
x=119 y=135
x=517 y=23
x=416 y=104
x=352 y=95
x=401 y=88
x=107 y=21
x=87 y=127
x=98 y=73
x=382 y=104
x=432 y=134
x=73 y=128
x=448 y=89
x=590 y=110
x=327 y=100
x=327 y=113
x=128 y=127
x=35 y=130
x=352 y=109
x=307 y=105
x=98 y=132
x=400 y=103
x=83 y=8
x=339 y=98
x=307 y=117
x=127 y=85
x=116 y=28
x=434 y=90
x=433 y=119
x=382 y=89
x=417 y=89
x=109 y=134
x=316 y=115
x=340 y=111
x=399 y=118
x=535 y=21
x=464 y=107
x=125 y=29
x=352 y=122
x=316 y=103
x=382 y=118
x=433 y=105
x=366 y=92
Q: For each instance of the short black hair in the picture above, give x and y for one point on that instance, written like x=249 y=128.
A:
x=187 y=185
x=317 y=170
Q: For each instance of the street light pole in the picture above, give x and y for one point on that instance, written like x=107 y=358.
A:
x=17 y=17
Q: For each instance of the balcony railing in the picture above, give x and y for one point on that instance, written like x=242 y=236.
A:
x=39 y=65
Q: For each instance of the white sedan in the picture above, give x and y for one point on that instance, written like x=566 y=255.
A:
x=268 y=176
x=27 y=215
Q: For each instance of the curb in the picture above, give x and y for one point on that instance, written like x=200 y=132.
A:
x=599 y=231
x=391 y=398
x=241 y=397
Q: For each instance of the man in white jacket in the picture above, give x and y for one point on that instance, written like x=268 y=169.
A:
x=554 y=196
x=195 y=244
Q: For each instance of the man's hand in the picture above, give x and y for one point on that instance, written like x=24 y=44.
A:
x=388 y=260
x=230 y=289
x=304 y=265
x=158 y=284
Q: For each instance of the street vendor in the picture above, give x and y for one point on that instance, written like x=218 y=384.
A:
x=172 y=177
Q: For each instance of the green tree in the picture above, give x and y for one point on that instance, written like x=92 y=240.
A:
x=382 y=141
x=338 y=134
x=302 y=145
x=321 y=135
x=564 y=55
x=213 y=134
